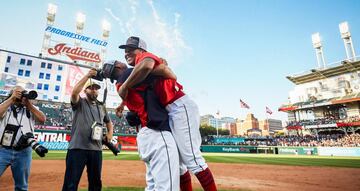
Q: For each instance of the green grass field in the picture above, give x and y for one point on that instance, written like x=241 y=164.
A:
x=350 y=162
x=230 y=158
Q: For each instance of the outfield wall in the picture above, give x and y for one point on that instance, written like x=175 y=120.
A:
x=260 y=149
x=339 y=151
x=59 y=140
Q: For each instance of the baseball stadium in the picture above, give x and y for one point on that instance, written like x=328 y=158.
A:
x=317 y=149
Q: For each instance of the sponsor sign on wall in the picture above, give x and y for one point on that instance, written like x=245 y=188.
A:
x=53 y=140
x=339 y=151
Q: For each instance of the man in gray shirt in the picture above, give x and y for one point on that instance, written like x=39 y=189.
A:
x=85 y=148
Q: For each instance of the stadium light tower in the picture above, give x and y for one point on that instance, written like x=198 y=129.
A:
x=346 y=36
x=316 y=41
x=80 y=21
x=106 y=27
x=50 y=20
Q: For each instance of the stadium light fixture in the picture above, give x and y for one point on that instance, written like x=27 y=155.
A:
x=106 y=26
x=316 y=40
x=80 y=18
x=50 y=19
x=346 y=36
x=51 y=12
x=344 y=30
x=52 y=9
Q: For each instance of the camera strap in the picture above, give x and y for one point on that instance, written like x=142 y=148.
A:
x=92 y=115
x=10 y=132
x=14 y=112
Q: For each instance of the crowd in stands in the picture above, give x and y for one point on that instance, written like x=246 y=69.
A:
x=323 y=121
x=330 y=140
x=59 y=117
x=320 y=121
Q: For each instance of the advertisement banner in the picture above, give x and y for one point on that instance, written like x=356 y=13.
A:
x=59 y=140
x=339 y=151
x=298 y=150
x=75 y=73
x=128 y=143
x=228 y=149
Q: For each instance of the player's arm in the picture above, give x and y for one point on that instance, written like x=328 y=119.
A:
x=119 y=110
x=163 y=71
x=139 y=73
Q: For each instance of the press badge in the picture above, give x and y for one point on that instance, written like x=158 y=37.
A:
x=7 y=138
x=96 y=134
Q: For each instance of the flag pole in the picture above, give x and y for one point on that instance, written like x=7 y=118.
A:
x=217 y=123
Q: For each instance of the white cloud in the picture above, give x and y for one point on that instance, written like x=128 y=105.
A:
x=117 y=19
x=163 y=36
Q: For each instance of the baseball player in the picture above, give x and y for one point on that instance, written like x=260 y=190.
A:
x=184 y=115
x=156 y=145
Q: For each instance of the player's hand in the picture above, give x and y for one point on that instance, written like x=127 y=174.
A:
x=92 y=73
x=119 y=110
x=123 y=92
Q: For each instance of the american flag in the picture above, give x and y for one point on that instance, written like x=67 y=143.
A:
x=268 y=111
x=244 y=105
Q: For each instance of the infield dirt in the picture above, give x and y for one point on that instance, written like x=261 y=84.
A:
x=49 y=175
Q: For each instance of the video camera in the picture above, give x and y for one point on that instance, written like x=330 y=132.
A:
x=29 y=140
x=107 y=71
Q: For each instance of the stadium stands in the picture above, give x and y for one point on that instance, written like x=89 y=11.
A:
x=59 y=117
x=330 y=140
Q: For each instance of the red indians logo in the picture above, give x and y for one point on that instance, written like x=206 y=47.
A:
x=75 y=53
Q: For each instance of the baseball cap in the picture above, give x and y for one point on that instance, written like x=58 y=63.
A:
x=134 y=42
x=92 y=83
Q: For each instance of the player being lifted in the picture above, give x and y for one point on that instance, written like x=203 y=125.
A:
x=183 y=113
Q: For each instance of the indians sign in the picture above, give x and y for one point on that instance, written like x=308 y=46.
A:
x=75 y=53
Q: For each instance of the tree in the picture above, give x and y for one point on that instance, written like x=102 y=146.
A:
x=206 y=130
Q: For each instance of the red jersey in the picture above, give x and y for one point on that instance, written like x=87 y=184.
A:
x=136 y=103
x=168 y=90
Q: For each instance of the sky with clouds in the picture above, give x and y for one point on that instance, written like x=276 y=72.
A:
x=221 y=51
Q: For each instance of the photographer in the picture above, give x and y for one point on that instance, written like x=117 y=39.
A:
x=17 y=120
x=85 y=148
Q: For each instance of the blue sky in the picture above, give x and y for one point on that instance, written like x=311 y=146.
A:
x=222 y=51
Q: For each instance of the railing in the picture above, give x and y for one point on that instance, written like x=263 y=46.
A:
x=333 y=64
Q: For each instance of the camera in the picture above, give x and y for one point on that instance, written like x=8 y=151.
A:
x=29 y=140
x=29 y=95
x=111 y=146
x=107 y=71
